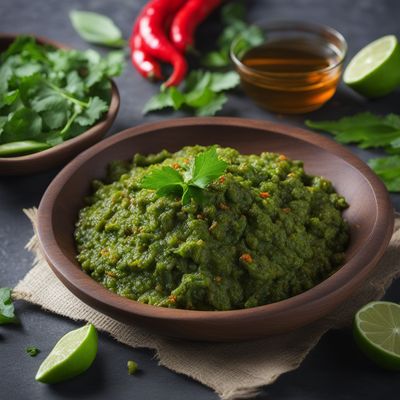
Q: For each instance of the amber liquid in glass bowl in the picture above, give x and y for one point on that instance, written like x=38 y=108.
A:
x=291 y=74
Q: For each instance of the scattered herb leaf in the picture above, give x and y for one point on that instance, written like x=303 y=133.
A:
x=206 y=168
x=32 y=351
x=7 y=315
x=235 y=27
x=132 y=367
x=201 y=93
x=96 y=28
x=388 y=169
x=370 y=130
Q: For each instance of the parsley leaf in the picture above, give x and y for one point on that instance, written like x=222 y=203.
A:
x=362 y=120
x=206 y=168
x=233 y=18
x=6 y=307
x=96 y=107
x=366 y=129
x=167 y=180
x=213 y=106
x=96 y=28
x=201 y=93
x=370 y=130
x=170 y=97
x=388 y=169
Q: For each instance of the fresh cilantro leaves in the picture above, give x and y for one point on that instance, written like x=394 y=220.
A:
x=202 y=93
x=96 y=28
x=370 y=130
x=7 y=315
x=235 y=27
x=50 y=95
x=388 y=169
x=206 y=168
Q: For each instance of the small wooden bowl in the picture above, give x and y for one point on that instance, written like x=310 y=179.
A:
x=62 y=153
x=370 y=216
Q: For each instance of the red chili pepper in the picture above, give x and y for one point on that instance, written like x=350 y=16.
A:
x=187 y=19
x=146 y=65
x=152 y=28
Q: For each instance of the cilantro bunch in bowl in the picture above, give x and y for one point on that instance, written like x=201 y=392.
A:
x=50 y=95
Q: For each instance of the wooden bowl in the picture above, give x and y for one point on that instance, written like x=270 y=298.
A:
x=60 y=154
x=370 y=216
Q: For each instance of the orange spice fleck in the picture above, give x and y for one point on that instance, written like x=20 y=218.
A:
x=175 y=166
x=186 y=161
x=172 y=298
x=221 y=179
x=246 y=257
x=218 y=279
x=264 y=195
x=286 y=210
x=282 y=157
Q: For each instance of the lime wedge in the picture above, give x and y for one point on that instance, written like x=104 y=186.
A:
x=73 y=354
x=377 y=333
x=375 y=70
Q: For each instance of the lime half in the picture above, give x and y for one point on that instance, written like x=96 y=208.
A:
x=73 y=354
x=377 y=332
x=375 y=70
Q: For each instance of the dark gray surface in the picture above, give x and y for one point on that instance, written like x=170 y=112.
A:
x=334 y=370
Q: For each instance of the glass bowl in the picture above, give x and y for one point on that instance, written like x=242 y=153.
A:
x=295 y=70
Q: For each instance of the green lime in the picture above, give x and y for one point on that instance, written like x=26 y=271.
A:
x=377 y=333
x=375 y=70
x=73 y=354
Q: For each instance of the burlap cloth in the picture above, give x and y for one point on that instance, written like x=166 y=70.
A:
x=235 y=370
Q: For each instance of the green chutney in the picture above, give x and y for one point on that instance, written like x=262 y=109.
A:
x=264 y=231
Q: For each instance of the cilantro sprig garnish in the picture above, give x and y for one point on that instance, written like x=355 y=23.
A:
x=7 y=315
x=206 y=168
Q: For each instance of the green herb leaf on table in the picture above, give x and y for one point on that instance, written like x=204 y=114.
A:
x=32 y=351
x=206 y=168
x=96 y=28
x=366 y=129
x=388 y=169
x=370 y=130
x=7 y=315
x=213 y=106
x=201 y=93
x=235 y=27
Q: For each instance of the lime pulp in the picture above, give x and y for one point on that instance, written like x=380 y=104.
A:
x=375 y=70
x=72 y=355
x=377 y=333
